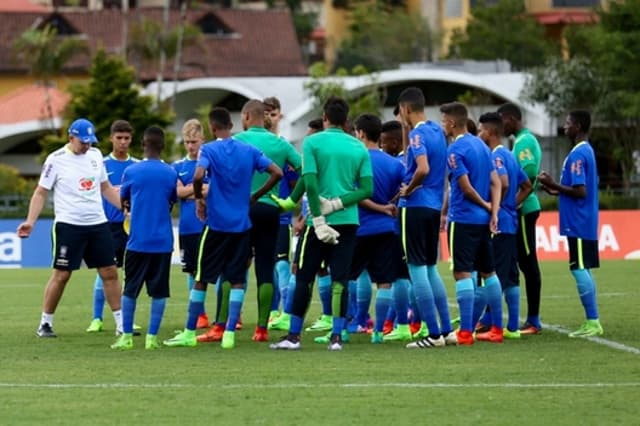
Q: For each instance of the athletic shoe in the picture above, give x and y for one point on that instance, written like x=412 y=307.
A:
x=455 y=323
x=124 y=342
x=401 y=333
x=588 y=329
x=323 y=340
x=481 y=328
x=260 y=335
x=136 y=327
x=239 y=323
x=281 y=323
x=324 y=323
x=273 y=315
x=529 y=328
x=414 y=327
x=427 y=342
x=286 y=343
x=135 y=332
x=364 y=330
x=377 y=337
x=335 y=344
x=214 y=334
x=95 y=326
x=494 y=335
x=228 y=340
x=423 y=331
x=464 y=337
x=183 y=338
x=450 y=339
x=387 y=327
x=151 y=342
x=203 y=321
x=511 y=335
x=45 y=330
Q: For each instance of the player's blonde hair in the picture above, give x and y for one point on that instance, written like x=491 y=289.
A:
x=192 y=129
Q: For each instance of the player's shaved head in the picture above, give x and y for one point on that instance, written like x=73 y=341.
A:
x=254 y=109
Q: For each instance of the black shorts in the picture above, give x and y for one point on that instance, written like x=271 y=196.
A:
x=283 y=244
x=401 y=269
x=583 y=254
x=419 y=233
x=313 y=253
x=222 y=253
x=146 y=268
x=119 y=241
x=375 y=253
x=470 y=247
x=505 y=252
x=265 y=221
x=189 y=252
x=72 y=243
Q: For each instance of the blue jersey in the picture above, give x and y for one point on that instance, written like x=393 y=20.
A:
x=428 y=139
x=285 y=189
x=115 y=168
x=230 y=165
x=469 y=155
x=506 y=164
x=188 y=222
x=579 y=216
x=387 y=177
x=151 y=187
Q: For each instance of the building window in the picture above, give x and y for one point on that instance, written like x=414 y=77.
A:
x=576 y=3
x=453 y=9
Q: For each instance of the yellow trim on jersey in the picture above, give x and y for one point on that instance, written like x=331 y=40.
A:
x=580 y=254
x=203 y=238
x=303 y=246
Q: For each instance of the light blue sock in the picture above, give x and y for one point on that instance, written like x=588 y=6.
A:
x=155 y=317
x=494 y=299
x=512 y=298
x=98 y=298
x=128 y=312
x=283 y=271
x=236 y=297
x=413 y=305
x=324 y=290
x=465 y=297
x=479 y=305
x=295 y=325
x=290 y=290
x=383 y=301
x=401 y=300
x=196 y=307
x=190 y=281
x=352 y=306
x=363 y=298
x=440 y=298
x=587 y=292
x=424 y=297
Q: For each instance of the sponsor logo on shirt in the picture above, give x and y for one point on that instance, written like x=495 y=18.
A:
x=87 y=184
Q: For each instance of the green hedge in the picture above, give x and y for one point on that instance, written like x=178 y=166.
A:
x=608 y=201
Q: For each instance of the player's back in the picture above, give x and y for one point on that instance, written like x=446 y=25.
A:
x=506 y=163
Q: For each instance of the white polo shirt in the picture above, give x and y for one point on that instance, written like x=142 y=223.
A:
x=75 y=180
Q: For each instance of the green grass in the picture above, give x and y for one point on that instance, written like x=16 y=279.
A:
x=77 y=379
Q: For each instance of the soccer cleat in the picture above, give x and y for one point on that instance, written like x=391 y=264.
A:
x=377 y=337
x=260 y=335
x=387 y=327
x=511 y=335
x=529 y=328
x=481 y=328
x=273 y=315
x=287 y=343
x=151 y=342
x=124 y=342
x=427 y=342
x=45 y=330
x=414 y=327
x=450 y=339
x=327 y=338
x=214 y=334
x=136 y=327
x=423 y=331
x=95 y=326
x=494 y=335
x=135 y=332
x=228 y=340
x=324 y=323
x=183 y=338
x=455 y=323
x=239 y=324
x=335 y=344
x=590 y=328
x=464 y=337
x=364 y=329
x=203 y=321
x=402 y=333
x=280 y=323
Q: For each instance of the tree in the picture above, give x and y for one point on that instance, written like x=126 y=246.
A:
x=502 y=31
x=383 y=37
x=111 y=94
x=46 y=54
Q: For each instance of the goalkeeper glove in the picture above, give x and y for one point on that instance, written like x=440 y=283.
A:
x=285 y=205
x=324 y=232
x=328 y=206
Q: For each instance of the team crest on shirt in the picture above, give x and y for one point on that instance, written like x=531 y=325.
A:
x=452 y=161
x=87 y=184
x=525 y=154
x=576 y=167
x=499 y=163
x=415 y=141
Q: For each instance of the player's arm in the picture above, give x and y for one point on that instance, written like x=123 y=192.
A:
x=471 y=194
x=38 y=200
x=504 y=185
x=496 y=196
x=198 y=183
x=524 y=189
x=554 y=188
x=184 y=191
x=275 y=174
x=445 y=206
x=422 y=170
x=388 y=209
x=111 y=194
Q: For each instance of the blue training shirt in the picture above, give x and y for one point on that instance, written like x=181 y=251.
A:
x=469 y=155
x=151 y=187
x=230 y=165
x=388 y=173
x=115 y=168
x=427 y=138
x=506 y=164
x=285 y=190
x=579 y=216
x=188 y=222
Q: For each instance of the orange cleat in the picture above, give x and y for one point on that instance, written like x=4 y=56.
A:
x=214 y=334
x=494 y=335
x=260 y=335
x=387 y=327
x=414 y=327
x=203 y=321
x=465 y=337
x=528 y=329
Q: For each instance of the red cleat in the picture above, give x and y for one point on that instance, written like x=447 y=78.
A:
x=239 y=324
x=203 y=321
x=214 y=334
x=387 y=327
x=465 y=337
x=260 y=335
x=494 y=335
x=414 y=327
x=528 y=329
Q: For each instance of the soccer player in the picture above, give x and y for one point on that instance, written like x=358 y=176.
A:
x=119 y=159
x=528 y=153
x=391 y=139
x=77 y=176
x=473 y=213
x=420 y=205
x=189 y=226
x=336 y=167
x=578 y=209
x=148 y=192
x=515 y=187
x=225 y=242
x=265 y=214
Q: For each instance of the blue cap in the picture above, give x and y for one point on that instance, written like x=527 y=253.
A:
x=84 y=130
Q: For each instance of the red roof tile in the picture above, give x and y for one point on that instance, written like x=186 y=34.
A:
x=28 y=103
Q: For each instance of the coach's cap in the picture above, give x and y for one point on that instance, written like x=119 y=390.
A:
x=84 y=130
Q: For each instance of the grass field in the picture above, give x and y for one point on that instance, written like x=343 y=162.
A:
x=545 y=379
